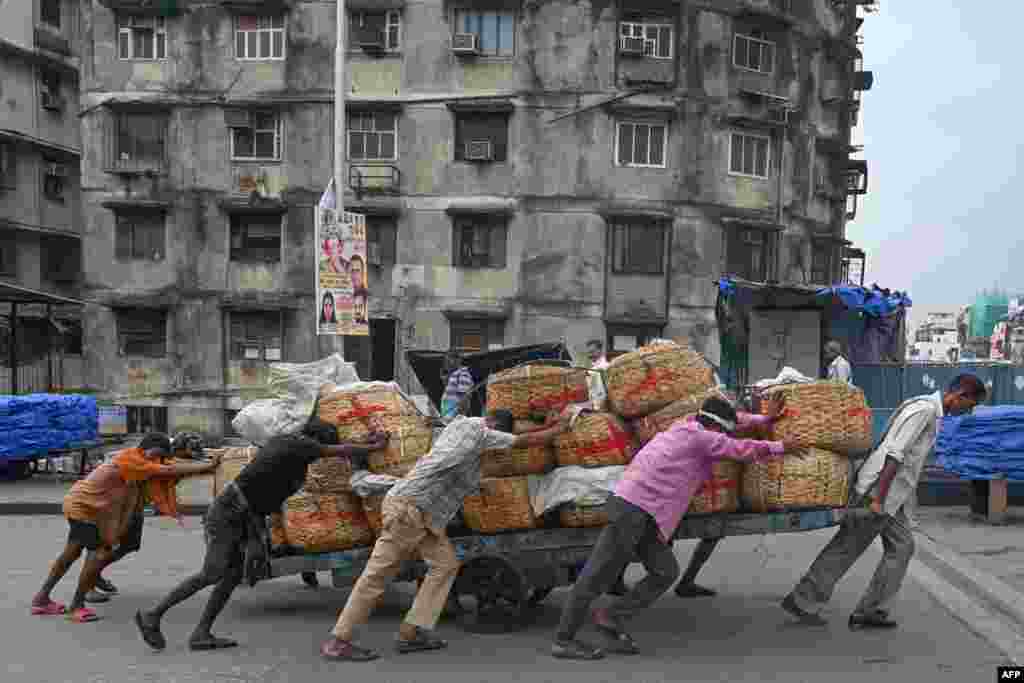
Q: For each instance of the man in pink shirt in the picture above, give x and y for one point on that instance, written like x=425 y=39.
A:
x=645 y=510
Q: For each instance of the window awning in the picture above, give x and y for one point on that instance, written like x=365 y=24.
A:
x=257 y=206
x=135 y=205
x=482 y=205
x=15 y=136
x=16 y=294
x=496 y=105
x=753 y=223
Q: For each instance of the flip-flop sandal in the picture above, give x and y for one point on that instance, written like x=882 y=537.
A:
x=623 y=642
x=50 y=609
x=212 y=643
x=151 y=635
x=96 y=597
x=82 y=615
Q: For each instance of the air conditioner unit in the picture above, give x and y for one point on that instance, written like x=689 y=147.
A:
x=466 y=43
x=57 y=170
x=631 y=46
x=479 y=150
x=51 y=100
x=373 y=254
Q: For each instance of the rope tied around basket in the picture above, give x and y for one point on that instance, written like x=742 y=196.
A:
x=618 y=440
x=359 y=410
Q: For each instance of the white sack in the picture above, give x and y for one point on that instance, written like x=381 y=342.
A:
x=262 y=420
x=584 y=486
x=365 y=484
x=787 y=376
x=305 y=380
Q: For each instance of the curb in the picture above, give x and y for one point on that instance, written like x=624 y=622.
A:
x=992 y=589
x=57 y=509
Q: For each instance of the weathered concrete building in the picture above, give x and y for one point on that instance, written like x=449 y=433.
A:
x=40 y=211
x=532 y=170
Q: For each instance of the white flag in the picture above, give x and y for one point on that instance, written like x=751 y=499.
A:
x=328 y=200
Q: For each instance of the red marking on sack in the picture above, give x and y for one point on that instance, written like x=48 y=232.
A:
x=360 y=411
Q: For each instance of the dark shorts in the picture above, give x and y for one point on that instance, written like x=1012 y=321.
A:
x=132 y=540
x=85 y=534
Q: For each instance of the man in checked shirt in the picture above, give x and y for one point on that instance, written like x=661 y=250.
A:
x=884 y=486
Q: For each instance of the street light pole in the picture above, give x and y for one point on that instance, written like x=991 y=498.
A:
x=339 y=108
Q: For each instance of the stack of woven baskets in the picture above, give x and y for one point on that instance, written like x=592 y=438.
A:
x=534 y=391
x=833 y=421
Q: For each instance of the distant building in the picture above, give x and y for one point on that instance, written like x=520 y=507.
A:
x=937 y=339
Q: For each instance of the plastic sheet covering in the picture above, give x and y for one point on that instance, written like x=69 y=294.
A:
x=787 y=376
x=297 y=386
x=36 y=423
x=987 y=444
x=365 y=484
x=583 y=486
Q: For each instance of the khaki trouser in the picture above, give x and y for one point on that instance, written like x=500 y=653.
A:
x=406 y=533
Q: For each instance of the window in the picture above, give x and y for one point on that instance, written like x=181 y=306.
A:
x=55 y=176
x=8 y=256
x=256 y=238
x=61 y=258
x=496 y=30
x=641 y=144
x=259 y=37
x=229 y=429
x=8 y=177
x=372 y=136
x=375 y=28
x=381 y=233
x=625 y=338
x=49 y=12
x=656 y=37
x=140 y=237
x=821 y=264
x=471 y=335
x=749 y=155
x=638 y=247
x=142 y=332
x=256 y=335
x=753 y=53
x=480 y=241
x=481 y=136
x=141 y=37
x=140 y=140
x=145 y=419
x=255 y=135
x=748 y=252
x=49 y=90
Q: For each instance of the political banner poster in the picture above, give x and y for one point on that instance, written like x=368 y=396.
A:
x=342 y=292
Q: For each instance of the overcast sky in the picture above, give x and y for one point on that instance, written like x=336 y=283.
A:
x=942 y=134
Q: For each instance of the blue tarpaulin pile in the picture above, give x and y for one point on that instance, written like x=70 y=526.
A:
x=987 y=444
x=36 y=423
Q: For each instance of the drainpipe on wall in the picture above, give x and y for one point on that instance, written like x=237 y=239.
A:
x=777 y=256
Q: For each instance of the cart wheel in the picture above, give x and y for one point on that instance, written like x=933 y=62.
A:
x=499 y=595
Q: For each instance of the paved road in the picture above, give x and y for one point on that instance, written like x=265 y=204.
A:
x=739 y=636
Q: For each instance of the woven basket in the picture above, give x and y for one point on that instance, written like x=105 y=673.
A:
x=355 y=412
x=820 y=480
x=648 y=426
x=319 y=523
x=503 y=505
x=372 y=507
x=535 y=390
x=833 y=416
x=721 y=493
x=576 y=517
x=278 y=537
x=516 y=462
x=233 y=461
x=596 y=440
x=650 y=378
x=329 y=475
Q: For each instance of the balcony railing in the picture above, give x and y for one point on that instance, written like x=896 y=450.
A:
x=366 y=178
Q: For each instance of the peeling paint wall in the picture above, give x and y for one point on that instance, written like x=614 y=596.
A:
x=560 y=180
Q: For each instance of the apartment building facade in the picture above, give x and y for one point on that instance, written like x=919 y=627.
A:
x=530 y=171
x=40 y=212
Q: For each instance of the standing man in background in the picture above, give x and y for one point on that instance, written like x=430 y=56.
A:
x=839 y=369
x=458 y=383
x=595 y=380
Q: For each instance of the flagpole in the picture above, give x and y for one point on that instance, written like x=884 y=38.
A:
x=339 y=109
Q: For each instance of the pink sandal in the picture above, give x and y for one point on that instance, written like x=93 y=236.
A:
x=50 y=609
x=82 y=615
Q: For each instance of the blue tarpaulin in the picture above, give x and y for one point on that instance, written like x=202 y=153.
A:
x=874 y=301
x=987 y=444
x=33 y=424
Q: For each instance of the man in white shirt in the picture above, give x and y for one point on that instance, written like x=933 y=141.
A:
x=838 y=367
x=595 y=380
x=885 y=483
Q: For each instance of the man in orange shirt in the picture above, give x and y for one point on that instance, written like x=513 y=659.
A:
x=99 y=510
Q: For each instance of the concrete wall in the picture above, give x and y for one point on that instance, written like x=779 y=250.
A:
x=559 y=185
